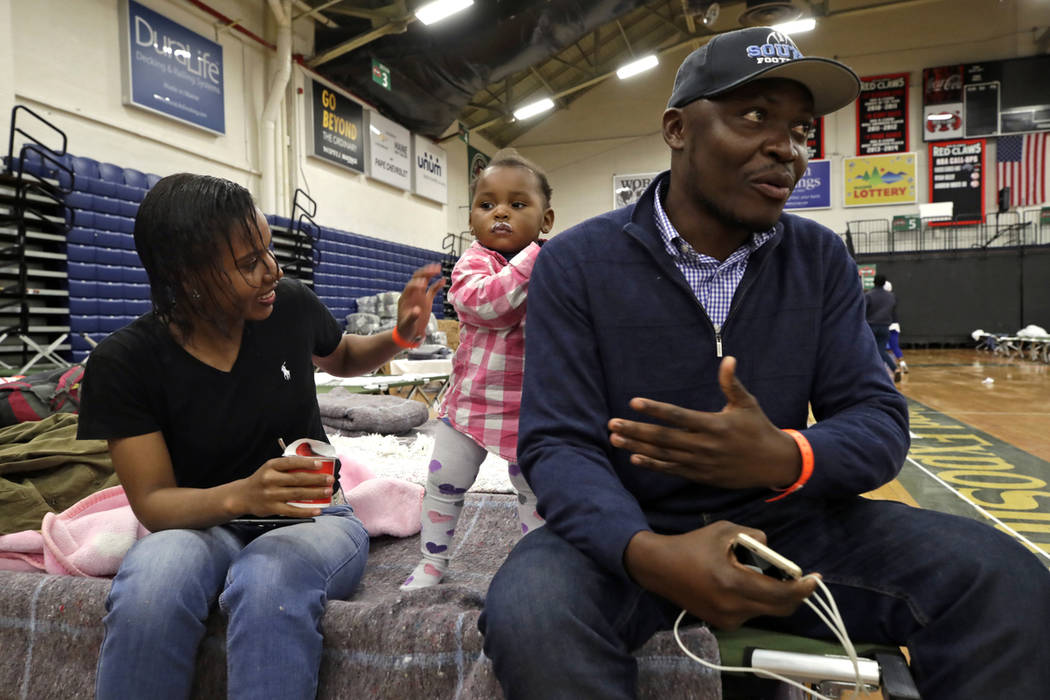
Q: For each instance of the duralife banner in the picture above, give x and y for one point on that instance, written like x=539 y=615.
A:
x=389 y=152
x=337 y=128
x=170 y=70
x=882 y=114
x=872 y=180
x=942 y=103
x=627 y=189
x=813 y=190
x=957 y=176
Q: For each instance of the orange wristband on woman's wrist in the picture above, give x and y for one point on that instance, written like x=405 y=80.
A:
x=402 y=343
x=807 y=465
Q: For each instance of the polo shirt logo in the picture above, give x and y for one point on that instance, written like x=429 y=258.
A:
x=778 y=49
x=284 y=371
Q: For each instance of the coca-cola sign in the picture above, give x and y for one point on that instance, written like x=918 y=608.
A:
x=942 y=84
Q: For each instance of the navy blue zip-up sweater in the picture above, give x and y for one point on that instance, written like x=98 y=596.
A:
x=611 y=318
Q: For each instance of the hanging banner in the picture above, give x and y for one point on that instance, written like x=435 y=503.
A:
x=942 y=103
x=389 y=157
x=627 y=189
x=169 y=70
x=957 y=176
x=815 y=141
x=874 y=180
x=430 y=171
x=882 y=114
x=336 y=128
x=476 y=162
x=813 y=190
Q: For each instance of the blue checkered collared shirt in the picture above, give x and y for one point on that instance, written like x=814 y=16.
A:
x=712 y=282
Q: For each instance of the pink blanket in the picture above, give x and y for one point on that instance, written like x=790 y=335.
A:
x=92 y=537
x=88 y=539
x=385 y=506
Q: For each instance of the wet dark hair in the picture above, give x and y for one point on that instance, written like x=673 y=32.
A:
x=880 y=280
x=509 y=157
x=182 y=228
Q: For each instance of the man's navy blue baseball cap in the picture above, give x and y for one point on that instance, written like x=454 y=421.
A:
x=739 y=57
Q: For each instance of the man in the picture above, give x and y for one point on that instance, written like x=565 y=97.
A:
x=669 y=343
x=881 y=313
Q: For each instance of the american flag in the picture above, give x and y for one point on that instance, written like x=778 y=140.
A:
x=1021 y=166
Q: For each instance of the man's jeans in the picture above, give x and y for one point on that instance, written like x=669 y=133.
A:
x=272 y=589
x=970 y=603
x=881 y=332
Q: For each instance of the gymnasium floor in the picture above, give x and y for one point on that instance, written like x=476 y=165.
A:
x=979 y=448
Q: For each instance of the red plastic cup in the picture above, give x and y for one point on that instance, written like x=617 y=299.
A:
x=305 y=447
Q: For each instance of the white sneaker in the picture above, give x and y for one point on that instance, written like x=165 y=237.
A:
x=903 y=365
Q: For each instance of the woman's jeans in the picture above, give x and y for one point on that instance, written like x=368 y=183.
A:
x=272 y=590
x=969 y=602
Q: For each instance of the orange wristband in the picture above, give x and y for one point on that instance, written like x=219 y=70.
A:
x=402 y=343
x=807 y=465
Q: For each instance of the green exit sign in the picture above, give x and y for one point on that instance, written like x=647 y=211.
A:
x=380 y=74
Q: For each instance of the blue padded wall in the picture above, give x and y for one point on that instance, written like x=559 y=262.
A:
x=108 y=287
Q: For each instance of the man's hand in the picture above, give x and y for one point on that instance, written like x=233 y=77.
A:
x=699 y=572
x=737 y=447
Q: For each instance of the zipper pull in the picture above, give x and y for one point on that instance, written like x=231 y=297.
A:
x=718 y=341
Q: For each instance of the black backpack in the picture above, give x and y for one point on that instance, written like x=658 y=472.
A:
x=39 y=395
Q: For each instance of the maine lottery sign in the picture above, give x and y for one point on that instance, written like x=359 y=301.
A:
x=887 y=179
x=170 y=70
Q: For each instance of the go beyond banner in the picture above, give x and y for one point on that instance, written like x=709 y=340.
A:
x=882 y=179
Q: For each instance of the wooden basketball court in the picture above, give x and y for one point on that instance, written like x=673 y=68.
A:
x=980 y=447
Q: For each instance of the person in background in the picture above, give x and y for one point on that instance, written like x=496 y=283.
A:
x=194 y=399
x=510 y=209
x=894 y=343
x=881 y=311
x=674 y=349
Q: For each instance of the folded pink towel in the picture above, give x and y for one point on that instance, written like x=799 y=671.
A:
x=88 y=539
x=384 y=506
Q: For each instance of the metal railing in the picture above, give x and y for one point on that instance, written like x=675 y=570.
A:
x=1012 y=229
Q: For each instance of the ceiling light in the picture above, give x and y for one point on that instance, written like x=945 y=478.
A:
x=440 y=9
x=636 y=67
x=796 y=27
x=534 y=108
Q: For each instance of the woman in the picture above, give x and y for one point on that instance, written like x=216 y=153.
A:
x=194 y=399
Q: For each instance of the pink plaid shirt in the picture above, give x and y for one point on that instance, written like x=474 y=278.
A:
x=484 y=395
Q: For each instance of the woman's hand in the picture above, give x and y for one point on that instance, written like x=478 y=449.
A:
x=268 y=490
x=413 y=308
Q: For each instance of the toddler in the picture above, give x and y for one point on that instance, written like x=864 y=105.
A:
x=510 y=208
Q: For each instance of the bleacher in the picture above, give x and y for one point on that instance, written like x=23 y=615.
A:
x=108 y=287
x=348 y=266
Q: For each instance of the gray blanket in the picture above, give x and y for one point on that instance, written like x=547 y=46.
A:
x=358 y=414
x=383 y=643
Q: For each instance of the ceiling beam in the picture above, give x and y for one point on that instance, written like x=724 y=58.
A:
x=395 y=27
x=314 y=13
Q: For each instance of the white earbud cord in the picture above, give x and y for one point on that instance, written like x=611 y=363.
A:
x=830 y=617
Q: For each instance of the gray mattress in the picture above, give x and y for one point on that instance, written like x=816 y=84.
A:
x=383 y=643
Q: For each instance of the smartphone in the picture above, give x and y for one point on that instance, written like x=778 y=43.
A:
x=267 y=523
x=751 y=552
